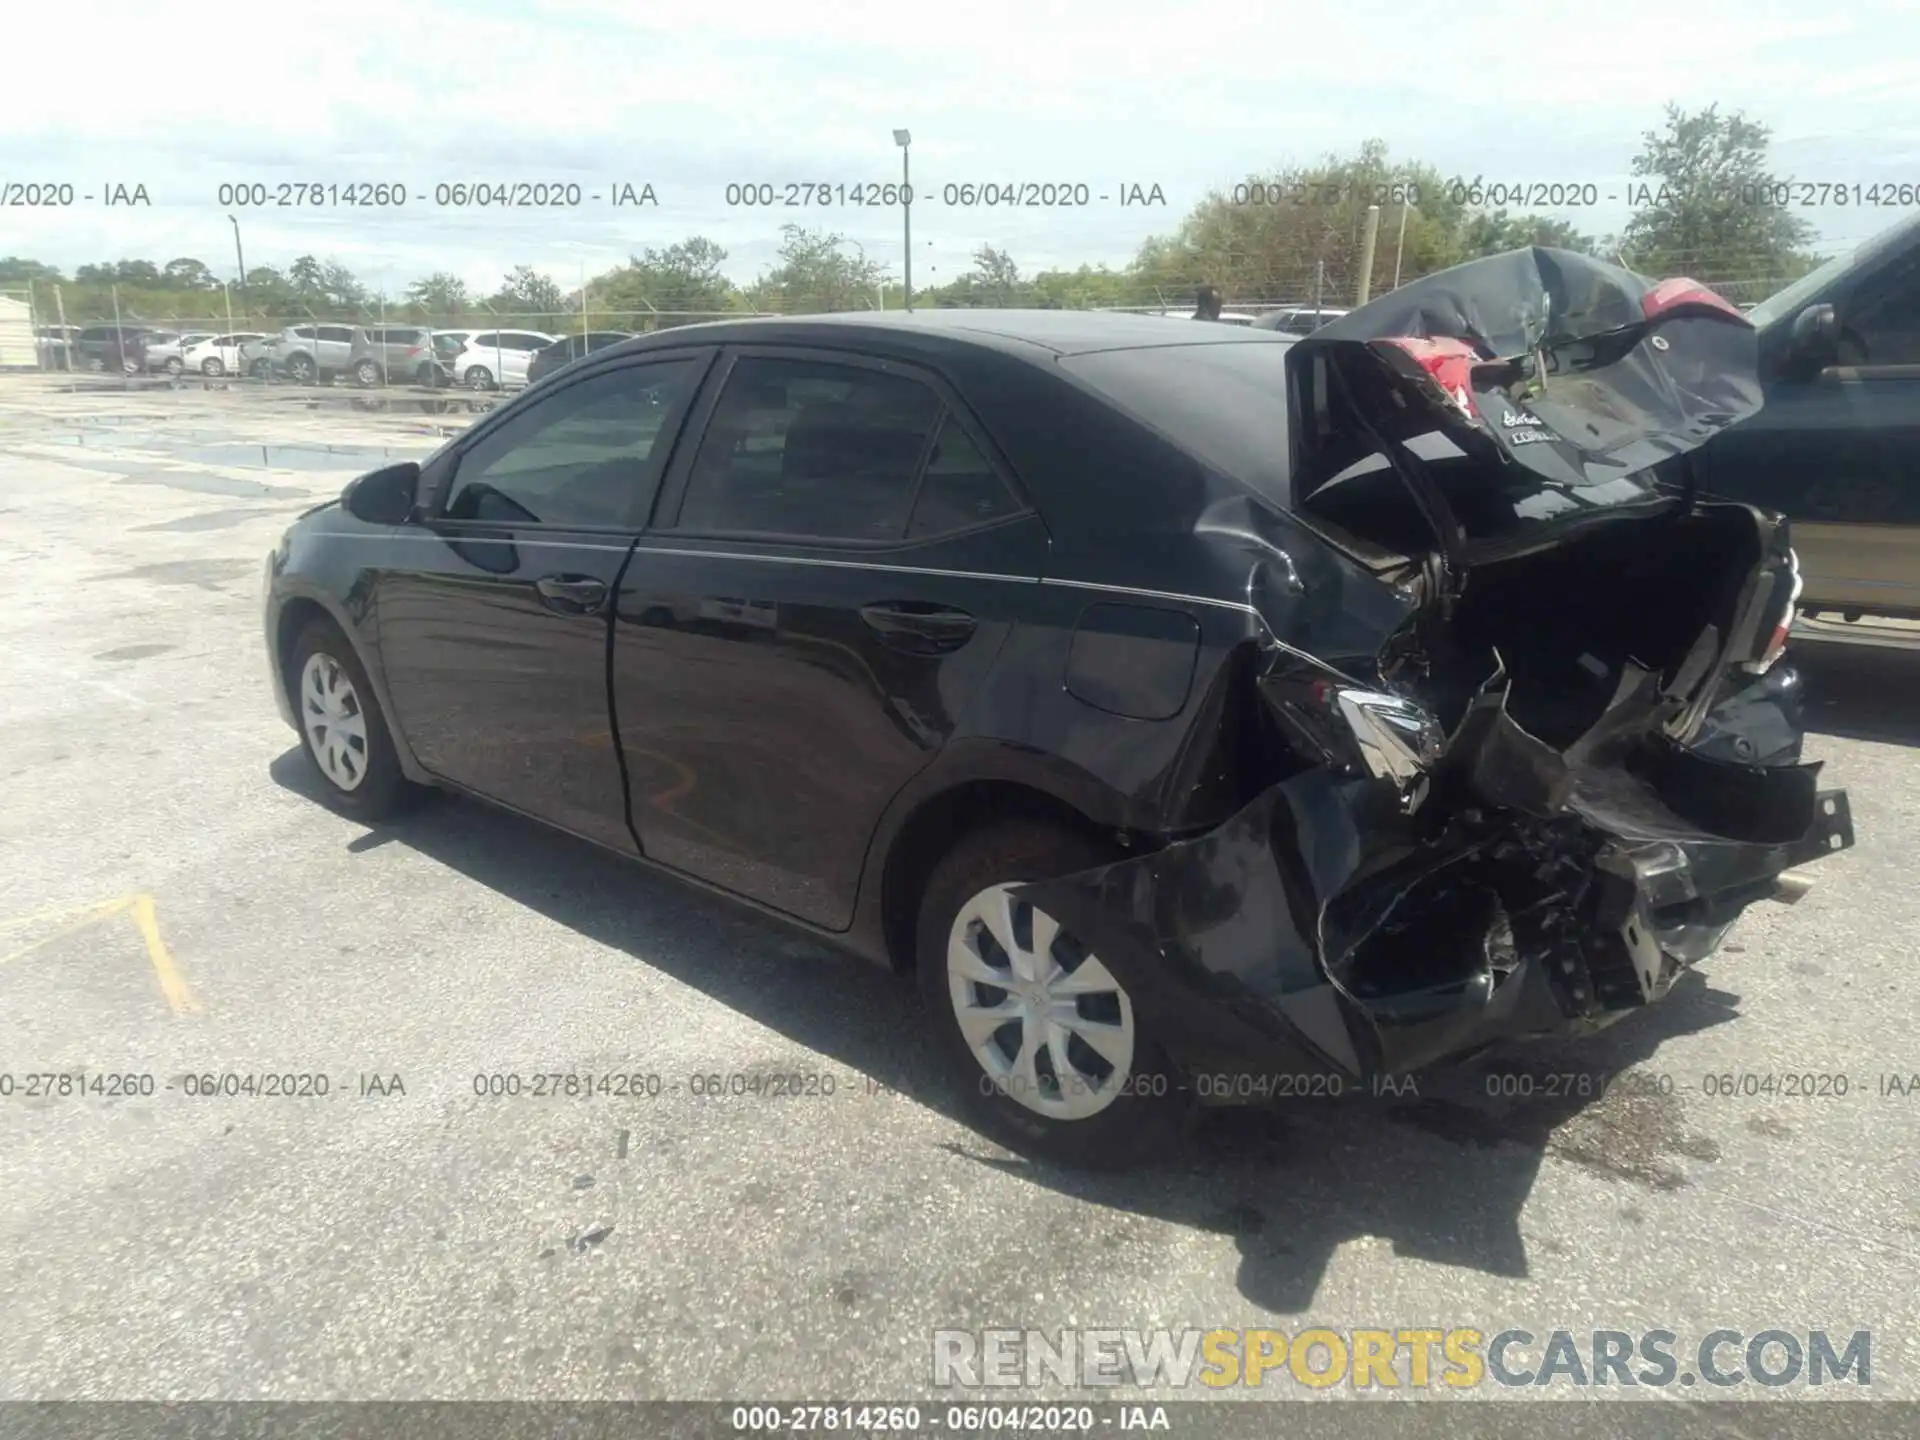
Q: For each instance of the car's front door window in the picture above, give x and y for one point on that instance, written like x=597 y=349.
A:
x=586 y=456
x=1884 y=321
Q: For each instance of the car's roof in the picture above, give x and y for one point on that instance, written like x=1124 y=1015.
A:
x=1026 y=332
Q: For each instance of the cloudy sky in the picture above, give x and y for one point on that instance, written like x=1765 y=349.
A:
x=601 y=93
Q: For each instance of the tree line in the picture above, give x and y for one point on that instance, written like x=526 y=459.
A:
x=1300 y=239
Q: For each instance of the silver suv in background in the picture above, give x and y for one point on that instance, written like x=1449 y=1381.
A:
x=313 y=354
x=385 y=353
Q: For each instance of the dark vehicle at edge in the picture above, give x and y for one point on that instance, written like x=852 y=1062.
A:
x=1175 y=706
x=102 y=348
x=574 y=347
x=1836 y=447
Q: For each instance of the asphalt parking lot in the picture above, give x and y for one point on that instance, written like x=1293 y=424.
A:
x=177 y=903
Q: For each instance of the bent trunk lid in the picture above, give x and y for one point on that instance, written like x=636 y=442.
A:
x=1522 y=391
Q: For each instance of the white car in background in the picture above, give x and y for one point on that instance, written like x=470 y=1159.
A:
x=166 y=349
x=219 y=354
x=496 y=359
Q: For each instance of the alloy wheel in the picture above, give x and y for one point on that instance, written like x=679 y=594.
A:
x=212 y=366
x=480 y=378
x=1047 y=1021
x=335 y=724
x=175 y=365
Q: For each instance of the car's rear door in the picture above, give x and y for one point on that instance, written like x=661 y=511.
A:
x=832 y=571
x=493 y=618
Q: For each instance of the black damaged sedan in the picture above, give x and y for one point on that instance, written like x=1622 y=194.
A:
x=1170 y=700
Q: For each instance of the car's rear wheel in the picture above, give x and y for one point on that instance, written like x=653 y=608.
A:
x=95 y=365
x=342 y=727
x=1056 y=1059
x=175 y=365
x=212 y=367
x=366 y=374
x=478 y=377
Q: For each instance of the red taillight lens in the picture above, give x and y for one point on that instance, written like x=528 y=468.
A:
x=1682 y=294
x=1450 y=362
x=412 y=350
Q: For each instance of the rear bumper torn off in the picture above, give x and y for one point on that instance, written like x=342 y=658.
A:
x=1319 y=929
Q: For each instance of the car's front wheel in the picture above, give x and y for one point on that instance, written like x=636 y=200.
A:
x=1055 y=1057
x=478 y=377
x=213 y=367
x=301 y=370
x=342 y=727
x=175 y=365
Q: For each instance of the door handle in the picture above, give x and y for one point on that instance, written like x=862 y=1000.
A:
x=572 y=594
x=918 y=628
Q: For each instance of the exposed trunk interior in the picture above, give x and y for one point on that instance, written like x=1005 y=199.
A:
x=1568 y=618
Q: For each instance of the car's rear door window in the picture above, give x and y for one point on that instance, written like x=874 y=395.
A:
x=960 y=488
x=811 y=448
x=586 y=456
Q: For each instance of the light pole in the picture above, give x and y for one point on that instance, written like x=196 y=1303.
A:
x=240 y=258
x=904 y=139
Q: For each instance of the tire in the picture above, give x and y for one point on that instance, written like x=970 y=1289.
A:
x=478 y=377
x=213 y=367
x=1128 y=1114
x=95 y=365
x=360 y=780
x=131 y=367
x=300 y=370
x=175 y=365
x=262 y=370
x=426 y=376
x=366 y=374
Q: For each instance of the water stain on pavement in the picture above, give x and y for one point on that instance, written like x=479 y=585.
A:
x=1630 y=1133
x=195 y=483
x=135 y=652
x=214 y=575
x=211 y=520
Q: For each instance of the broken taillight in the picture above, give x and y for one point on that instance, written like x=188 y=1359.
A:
x=1450 y=362
x=1683 y=294
x=1777 y=642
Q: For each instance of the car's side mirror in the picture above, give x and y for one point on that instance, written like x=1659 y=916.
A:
x=1815 y=337
x=384 y=497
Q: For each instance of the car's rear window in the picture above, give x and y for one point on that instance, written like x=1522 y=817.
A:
x=1225 y=403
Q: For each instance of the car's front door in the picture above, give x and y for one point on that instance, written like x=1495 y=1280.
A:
x=831 y=572
x=493 y=618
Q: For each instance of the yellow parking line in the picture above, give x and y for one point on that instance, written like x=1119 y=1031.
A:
x=92 y=917
x=180 y=998
x=92 y=911
x=173 y=986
